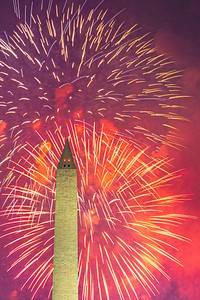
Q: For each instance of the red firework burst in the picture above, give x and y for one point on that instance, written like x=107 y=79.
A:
x=128 y=213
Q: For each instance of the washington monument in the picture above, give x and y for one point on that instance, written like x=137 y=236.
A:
x=65 y=276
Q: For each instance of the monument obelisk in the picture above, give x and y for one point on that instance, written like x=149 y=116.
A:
x=65 y=275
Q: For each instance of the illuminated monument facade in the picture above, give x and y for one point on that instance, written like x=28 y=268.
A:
x=65 y=277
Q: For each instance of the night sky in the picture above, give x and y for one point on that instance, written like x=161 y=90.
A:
x=174 y=25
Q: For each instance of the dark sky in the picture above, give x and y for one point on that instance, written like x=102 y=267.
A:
x=175 y=26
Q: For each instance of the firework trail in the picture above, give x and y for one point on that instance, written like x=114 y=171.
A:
x=128 y=213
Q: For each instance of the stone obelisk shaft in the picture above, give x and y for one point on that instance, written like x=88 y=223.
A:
x=65 y=276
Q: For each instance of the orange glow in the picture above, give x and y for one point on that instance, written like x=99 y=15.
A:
x=37 y=124
x=3 y=125
x=108 y=126
x=63 y=91
x=40 y=175
x=80 y=128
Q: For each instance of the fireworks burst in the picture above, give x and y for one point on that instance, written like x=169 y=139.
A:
x=128 y=217
x=69 y=61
